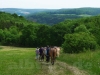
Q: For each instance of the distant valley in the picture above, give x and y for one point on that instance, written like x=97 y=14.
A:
x=53 y=16
x=22 y=12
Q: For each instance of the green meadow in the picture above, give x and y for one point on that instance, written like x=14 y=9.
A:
x=21 y=61
x=18 y=61
x=88 y=61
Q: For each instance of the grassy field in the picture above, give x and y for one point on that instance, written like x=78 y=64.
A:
x=18 y=61
x=21 y=61
x=88 y=61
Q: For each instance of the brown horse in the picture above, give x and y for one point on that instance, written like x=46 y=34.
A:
x=53 y=54
x=58 y=50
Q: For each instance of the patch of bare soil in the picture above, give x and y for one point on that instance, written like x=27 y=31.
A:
x=60 y=68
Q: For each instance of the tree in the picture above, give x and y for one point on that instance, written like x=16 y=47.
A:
x=2 y=36
x=78 y=42
x=14 y=34
x=43 y=35
x=11 y=36
x=58 y=32
x=81 y=28
x=15 y=15
x=28 y=36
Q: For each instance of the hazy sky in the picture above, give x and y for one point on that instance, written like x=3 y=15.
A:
x=50 y=4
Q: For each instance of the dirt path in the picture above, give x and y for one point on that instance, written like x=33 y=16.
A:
x=74 y=70
x=60 y=68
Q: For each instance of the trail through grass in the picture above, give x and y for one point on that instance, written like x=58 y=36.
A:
x=57 y=69
x=88 y=61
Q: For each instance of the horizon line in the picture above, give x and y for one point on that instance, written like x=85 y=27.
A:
x=44 y=8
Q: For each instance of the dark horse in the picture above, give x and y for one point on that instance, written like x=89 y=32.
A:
x=53 y=54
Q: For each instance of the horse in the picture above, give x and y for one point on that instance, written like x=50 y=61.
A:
x=58 y=50
x=53 y=54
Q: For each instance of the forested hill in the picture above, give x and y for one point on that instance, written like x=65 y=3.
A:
x=12 y=28
x=79 y=11
x=73 y=35
x=24 y=12
x=54 y=17
x=7 y=20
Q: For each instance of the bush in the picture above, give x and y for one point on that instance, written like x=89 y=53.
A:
x=78 y=42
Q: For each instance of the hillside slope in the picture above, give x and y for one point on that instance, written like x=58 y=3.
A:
x=54 y=17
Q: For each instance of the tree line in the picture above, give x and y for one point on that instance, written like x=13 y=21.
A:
x=72 y=35
x=51 y=18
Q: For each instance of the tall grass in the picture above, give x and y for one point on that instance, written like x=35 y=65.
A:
x=88 y=61
x=18 y=61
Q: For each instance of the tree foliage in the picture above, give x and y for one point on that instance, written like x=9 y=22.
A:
x=78 y=42
x=28 y=36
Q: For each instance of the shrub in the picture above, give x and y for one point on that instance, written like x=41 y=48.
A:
x=78 y=42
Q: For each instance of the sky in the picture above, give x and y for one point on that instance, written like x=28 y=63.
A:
x=49 y=4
